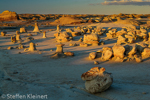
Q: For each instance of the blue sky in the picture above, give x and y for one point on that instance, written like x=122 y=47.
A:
x=76 y=6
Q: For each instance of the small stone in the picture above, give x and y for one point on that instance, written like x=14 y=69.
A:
x=92 y=55
x=96 y=63
x=51 y=50
x=83 y=45
x=10 y=48
x=138 y=60
x=69 y=53
x=19 y=52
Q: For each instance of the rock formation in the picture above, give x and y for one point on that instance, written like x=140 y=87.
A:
x=13 y=39
x=107 y=53
x=18 y=38
x=118 y=51
x=92 y=55
x=44 y=34
x=8 y=16
x=3 y=33
x=58 y=28
x=32 y=47
x=36 y=28
x=63 y=37
x=66 y=20
x=97 y=80
x=59 y=48
x=91 y=39
x=23 y=29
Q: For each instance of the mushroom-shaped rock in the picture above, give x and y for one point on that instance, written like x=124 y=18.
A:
x=36 y=28
x=118 y=51
x=32 y=47
x=97 y=80
x=59 y=48
x=44 y=34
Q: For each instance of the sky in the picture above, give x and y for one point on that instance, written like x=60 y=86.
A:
x=76 y=6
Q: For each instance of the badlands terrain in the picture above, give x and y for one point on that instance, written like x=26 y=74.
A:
x=30 y=64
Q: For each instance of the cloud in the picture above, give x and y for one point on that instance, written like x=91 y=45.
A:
x=125 y=2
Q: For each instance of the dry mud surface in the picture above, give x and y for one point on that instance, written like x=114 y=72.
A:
x=60 y=79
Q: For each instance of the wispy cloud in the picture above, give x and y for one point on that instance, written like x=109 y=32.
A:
x=125 y=2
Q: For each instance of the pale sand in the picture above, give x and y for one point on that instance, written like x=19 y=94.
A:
x=60 y=79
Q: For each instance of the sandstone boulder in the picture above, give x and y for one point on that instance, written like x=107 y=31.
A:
x=107 y=53
x=92 y=55
x=97 y=80
x=118 y=51
x=146 y=52
x=91 y=39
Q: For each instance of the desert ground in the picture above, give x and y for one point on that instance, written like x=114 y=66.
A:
x=37 y=72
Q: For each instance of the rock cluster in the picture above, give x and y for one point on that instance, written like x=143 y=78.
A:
x=128 y=34
x=63 y=37
x=121 y=53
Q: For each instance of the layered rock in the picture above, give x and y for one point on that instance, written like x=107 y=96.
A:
x=97 y=80
x=8 y=16
x=91 y=39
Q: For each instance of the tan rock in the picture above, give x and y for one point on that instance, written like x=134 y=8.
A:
x=9 y=48
x=44 y=34
x=13 y=39
x=92 y=55
x=3 y=33
x=118 y=51
x=96 y=62
x=59 y=48
x=69 y=53
x=8 y=16
x=146 y=52
x=97 y=80
x=18 y=37
x=36 y=28
x=137 y=59
x=106 y=54
x=32 y=47
x=22 y=30
x=83 y=45
x=91 y=38
x=121 y=40
x=76 y=33
x=58 y=28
